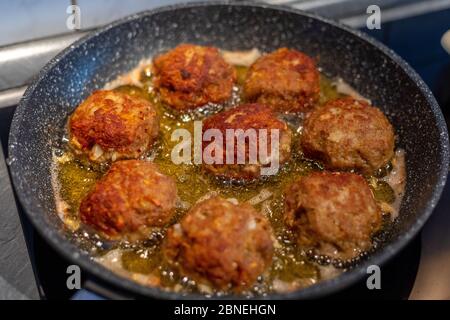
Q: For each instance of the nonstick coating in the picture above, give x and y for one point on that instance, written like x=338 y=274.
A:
x=87 y=65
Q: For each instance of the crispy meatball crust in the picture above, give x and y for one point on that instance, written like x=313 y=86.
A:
x=285 y=79
x=111 y=125
x=131 y=199
x=332 y=211
x=247 y=116
x=191 y=76
x=221 y=244
x=349 y=134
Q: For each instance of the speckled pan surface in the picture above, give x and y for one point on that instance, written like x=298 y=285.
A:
x=88 y=64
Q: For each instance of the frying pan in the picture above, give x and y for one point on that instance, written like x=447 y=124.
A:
x=374 y=70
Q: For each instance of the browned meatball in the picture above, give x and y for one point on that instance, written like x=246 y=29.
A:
x=285 y=79
x=221 y=244
x=130 y=200
x=349 y=134
x=111 y=125
x=334 y=213
x=245 y=117
x=191 y=76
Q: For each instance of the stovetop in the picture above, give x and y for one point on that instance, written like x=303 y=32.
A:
x=30 y=269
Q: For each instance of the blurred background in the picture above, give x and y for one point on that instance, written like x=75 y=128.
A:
x=32 y=32
x=412 y=28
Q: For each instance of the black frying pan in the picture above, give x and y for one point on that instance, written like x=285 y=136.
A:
x=371 y=68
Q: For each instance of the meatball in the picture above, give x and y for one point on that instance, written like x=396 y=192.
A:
x=221 y=244
x=111 y=125
x=191 y=76
x=334 y=213
x=131 y=199
x=287 y=80
x=349 y=134
x=245 y=117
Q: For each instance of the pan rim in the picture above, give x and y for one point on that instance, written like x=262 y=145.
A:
x=72 y=252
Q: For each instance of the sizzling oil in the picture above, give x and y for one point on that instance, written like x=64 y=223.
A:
x=290 y=268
